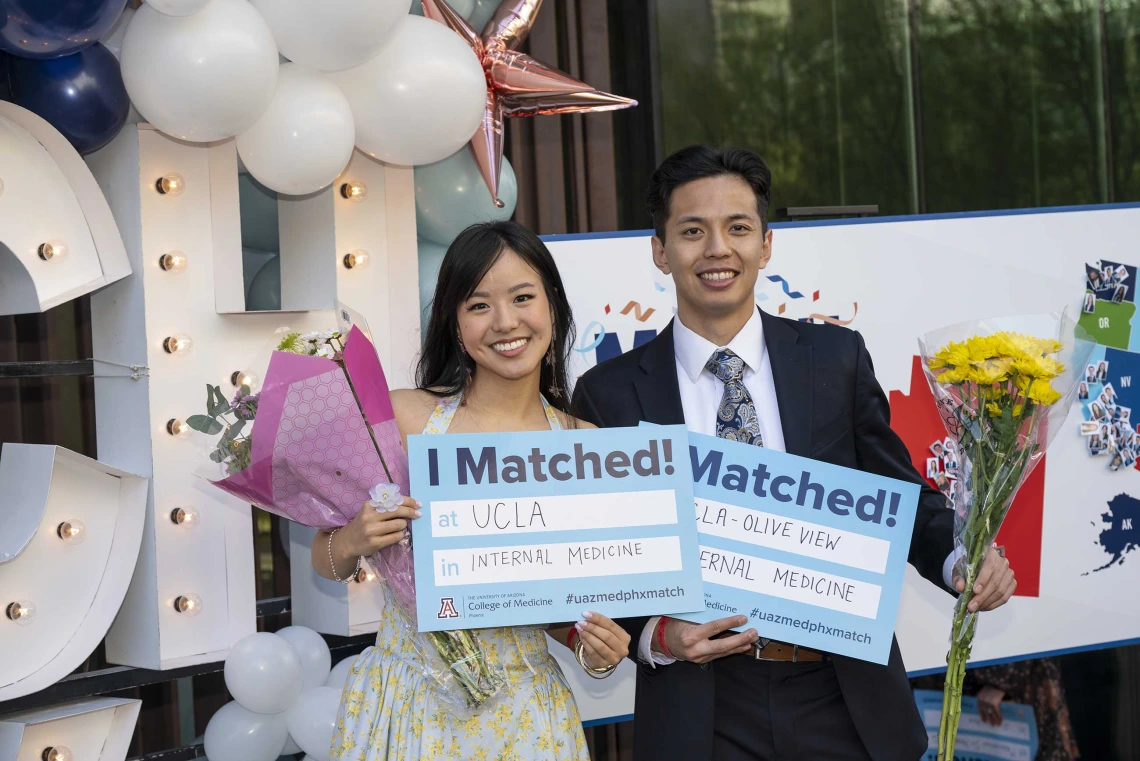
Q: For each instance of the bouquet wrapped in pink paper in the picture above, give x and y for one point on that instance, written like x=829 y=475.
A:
x=326 y=442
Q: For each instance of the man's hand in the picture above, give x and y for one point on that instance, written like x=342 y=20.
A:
x=989 y=705
x=701 y=643
x=995 y=583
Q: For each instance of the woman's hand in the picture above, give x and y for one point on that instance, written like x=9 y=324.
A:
x=604 y=643
x=372 y=529
x=989 y=705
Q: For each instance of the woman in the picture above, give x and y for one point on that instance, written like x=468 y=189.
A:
x=494 y=360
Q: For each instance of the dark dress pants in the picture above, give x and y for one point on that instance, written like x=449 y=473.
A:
x=777 y=711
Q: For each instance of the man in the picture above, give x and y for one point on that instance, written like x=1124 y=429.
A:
x=723 y=367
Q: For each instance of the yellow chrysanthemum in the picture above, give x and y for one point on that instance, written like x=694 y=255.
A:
x=1043 y=393
x=990 y=371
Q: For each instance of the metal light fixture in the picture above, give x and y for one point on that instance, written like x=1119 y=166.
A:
x=179 y=343
x=353 y=190
x=71 y=531
x=22 y=612
x=56 y=753
x=186 y=517
x=357 y=258
x=171 y=184
x=188 y=604
x=52 y=250
x=173 y=261
x=241 y=378
x=176 y=427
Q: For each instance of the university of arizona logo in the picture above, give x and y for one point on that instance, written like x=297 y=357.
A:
x=447 y=608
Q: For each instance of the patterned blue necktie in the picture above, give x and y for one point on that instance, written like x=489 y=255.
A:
x=736 y=416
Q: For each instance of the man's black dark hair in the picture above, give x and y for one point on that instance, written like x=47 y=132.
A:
x=698 y=162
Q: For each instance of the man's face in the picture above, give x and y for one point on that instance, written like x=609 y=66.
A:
x=713 y=248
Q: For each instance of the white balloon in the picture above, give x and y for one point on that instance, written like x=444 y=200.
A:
x=304 y=139
x=264 y=673
x=331 y=36
x=178 y=7
x=338 y=677
x=315 y=656
x=202 y=77
x=312 y=721
x=291 y=747
x=420 y=99
x=237 y=734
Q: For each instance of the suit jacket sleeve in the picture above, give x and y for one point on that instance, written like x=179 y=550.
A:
x=582 y=406
x=880 y=450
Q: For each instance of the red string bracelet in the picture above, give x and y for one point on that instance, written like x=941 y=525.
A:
x=573 y=635
x=660 y=633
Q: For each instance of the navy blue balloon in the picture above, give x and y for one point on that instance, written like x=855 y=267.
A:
x=54 y=28
x=82 y=95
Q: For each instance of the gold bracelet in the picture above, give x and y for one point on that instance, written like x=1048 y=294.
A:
x=601 y=673
x=332 y=562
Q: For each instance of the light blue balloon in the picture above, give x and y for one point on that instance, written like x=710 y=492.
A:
x=430 y=257
x=481 y=13
x=451 y=194
x=462 y=7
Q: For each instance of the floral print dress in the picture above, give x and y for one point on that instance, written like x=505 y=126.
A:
x=389 y=710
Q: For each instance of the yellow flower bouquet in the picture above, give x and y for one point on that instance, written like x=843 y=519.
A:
x=1003 y=389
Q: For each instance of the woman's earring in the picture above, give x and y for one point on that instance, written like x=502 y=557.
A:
x=465 y=358
x=555 y=391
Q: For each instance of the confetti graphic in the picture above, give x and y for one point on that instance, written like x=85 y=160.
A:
x=787 y=289
x=832 y=319
x=634 y=307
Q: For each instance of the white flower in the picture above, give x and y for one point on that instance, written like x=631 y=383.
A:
x=313 y=336
x=326 y=351
x=385 y=497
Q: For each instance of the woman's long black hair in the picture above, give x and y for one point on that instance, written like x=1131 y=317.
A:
x=444 y=368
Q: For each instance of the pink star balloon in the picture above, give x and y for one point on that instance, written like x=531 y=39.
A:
x=517 y=85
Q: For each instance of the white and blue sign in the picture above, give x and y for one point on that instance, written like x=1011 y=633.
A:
x=1015 y=739
x=814 y=554
x=538 y=527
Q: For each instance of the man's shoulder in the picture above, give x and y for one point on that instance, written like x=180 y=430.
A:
x=617 y=369
x=823 y=334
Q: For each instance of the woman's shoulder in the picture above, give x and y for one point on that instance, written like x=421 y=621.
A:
x=413 y=407
x=570 y=422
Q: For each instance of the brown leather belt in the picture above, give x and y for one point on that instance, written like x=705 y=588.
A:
x=781 y=651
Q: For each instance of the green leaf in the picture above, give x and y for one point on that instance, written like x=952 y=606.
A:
x=204 y=424
x=236 y=428
x=245 y=390
x=218 y=403
x=217 y=455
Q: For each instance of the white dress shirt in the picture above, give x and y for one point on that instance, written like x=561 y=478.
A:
x=701 y=392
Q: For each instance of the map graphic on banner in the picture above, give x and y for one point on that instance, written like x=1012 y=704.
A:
x=1122 y=535
x=1110 y=304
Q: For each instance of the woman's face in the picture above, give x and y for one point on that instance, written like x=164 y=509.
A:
x=506 y=323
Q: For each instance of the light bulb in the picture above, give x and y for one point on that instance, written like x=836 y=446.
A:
x=365 y=575
x=72 y=531
x=354 y=190
x=171 y=184
x=357 y=258
x=173 y=261
x=179 y=343
x=21 y=611
x=57 y=753
x=186 y=517
x=53 y=249
x=188 y=605
x=176 y=427
x=241 y=378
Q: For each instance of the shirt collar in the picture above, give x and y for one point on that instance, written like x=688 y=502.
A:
x=693 y=351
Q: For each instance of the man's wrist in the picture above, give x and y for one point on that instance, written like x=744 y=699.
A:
x=658 y=644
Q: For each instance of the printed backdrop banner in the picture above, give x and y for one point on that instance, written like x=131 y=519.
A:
x=537 y=527
x=1075 y=522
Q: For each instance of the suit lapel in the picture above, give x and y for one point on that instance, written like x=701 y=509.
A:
x=792 y=375
x=657 y=389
